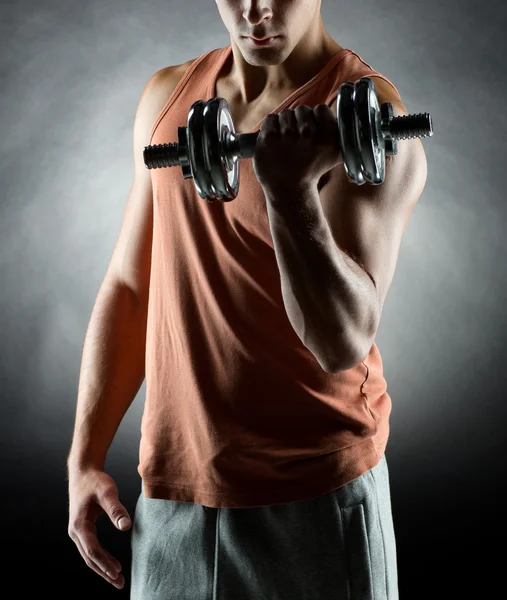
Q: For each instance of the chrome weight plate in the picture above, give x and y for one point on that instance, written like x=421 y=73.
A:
x=223 y=169
x=195 y=148
x=371 y=143
x=347 y=127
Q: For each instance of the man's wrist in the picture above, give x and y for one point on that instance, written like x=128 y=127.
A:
x=282 y=193
x=84 y=461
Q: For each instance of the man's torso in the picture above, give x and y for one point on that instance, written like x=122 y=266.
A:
x=244 y=116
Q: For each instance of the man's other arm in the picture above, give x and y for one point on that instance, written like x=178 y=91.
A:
x=113 y=358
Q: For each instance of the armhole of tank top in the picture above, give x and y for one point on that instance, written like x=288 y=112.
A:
x=384 y=78
x=373 y=74
x=177 y=75
x=377 y=74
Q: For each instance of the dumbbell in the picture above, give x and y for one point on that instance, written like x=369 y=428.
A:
x=208 y=149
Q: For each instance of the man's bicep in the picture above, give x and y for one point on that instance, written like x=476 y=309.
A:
x=131 y=261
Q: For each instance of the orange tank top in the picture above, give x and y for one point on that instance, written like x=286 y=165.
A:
x=238 y=412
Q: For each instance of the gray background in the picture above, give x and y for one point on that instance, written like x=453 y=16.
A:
x=71 y=78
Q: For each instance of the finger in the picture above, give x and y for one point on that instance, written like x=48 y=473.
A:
x=114 y=509
x=306 y=120
x=116 y=562
x=304 y=113
x=327 y=125
x=118 y=582
x=269 y=125
x=325 y=115
x=287 y=122
x=94 y=551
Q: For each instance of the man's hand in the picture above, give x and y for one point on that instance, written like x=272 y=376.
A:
x=296 y=147
x=91 y=493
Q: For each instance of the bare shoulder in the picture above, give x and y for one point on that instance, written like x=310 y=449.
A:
x=168 y=77
x=155 y=95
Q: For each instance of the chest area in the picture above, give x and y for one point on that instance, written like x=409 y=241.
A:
x=246 y=117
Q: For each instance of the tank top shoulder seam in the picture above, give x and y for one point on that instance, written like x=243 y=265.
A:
x=375 y=73
x=304 y=89
x=179 y=87
x=325 y=72
x=362 y=60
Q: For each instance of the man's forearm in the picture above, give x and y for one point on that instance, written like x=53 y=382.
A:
x=112 y=371
x=330 y=300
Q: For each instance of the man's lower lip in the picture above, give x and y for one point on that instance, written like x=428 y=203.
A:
x=263 y=42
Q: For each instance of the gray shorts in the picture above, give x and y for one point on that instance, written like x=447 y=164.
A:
x=339 y=546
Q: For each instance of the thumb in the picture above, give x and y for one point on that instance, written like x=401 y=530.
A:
x=118 y=513
x=123 y=522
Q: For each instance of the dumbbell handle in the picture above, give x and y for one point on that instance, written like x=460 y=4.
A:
x=243 y=145
x=400 y=128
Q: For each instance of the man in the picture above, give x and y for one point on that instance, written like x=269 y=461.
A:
x=266 y=419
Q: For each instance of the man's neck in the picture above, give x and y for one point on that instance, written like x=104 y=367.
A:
x=250 y=84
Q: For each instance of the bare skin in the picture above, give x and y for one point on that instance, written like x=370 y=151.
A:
x=256 y=80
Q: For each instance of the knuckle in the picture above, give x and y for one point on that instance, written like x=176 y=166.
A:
x=322 y=111
x=116 y=511
x=287 y=131
x=77 y=521
x=74 y=527
x=93 y=554
x=103 y=492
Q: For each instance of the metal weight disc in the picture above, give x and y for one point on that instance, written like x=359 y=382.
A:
x=386 y=114
x=369 y=128
x=195 y=147
x=346 y=115
x=223 y=170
